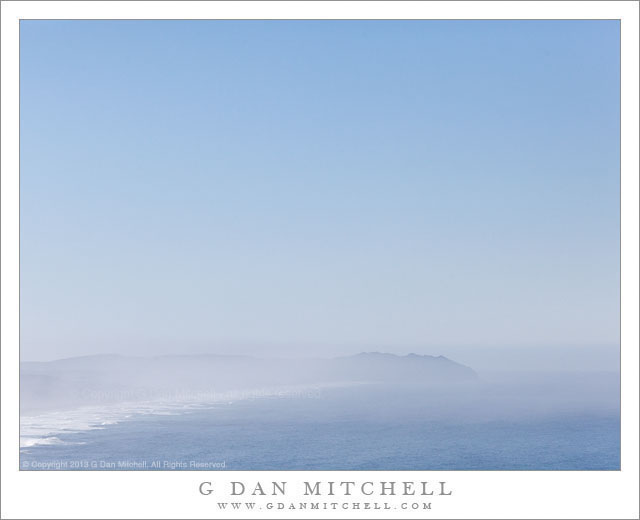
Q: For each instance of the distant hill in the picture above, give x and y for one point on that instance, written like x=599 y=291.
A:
x=111 y=378
x=376 y=366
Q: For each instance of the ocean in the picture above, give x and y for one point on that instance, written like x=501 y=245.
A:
x=558 y=422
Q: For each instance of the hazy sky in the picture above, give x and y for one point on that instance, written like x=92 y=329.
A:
x=314 y=186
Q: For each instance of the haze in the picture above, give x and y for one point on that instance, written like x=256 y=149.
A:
x=320 y=188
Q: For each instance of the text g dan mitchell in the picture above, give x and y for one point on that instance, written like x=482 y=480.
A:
x=329 y=488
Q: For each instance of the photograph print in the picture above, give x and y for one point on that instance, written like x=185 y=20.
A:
x=319 y=245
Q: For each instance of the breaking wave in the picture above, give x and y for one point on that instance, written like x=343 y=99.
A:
x=45 y=428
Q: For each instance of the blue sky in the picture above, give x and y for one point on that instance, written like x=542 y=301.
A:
x=314 y=186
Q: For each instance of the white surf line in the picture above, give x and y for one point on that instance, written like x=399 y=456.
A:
x=44 y=429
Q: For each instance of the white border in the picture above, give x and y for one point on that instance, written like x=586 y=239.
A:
x=174 y=494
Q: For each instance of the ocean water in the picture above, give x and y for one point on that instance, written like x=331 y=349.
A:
x=556 y=424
